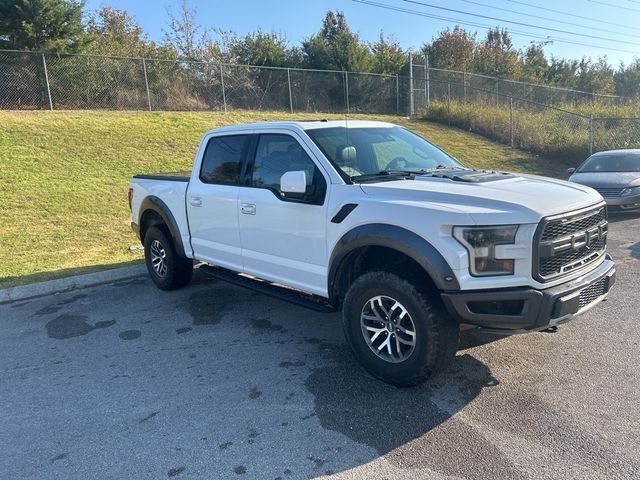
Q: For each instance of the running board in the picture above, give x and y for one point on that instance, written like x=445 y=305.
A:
x=301 y=299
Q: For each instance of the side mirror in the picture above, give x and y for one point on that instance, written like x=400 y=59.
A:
x=293 y=182
x=570 y=171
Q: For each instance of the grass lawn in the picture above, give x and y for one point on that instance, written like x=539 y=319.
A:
x=64 y=179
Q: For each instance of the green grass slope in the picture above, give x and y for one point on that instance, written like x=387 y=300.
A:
x=64 y=177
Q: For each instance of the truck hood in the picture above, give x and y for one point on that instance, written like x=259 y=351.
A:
x=488 y=197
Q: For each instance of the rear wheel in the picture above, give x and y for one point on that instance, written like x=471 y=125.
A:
x=167 y=269
x=398 y=333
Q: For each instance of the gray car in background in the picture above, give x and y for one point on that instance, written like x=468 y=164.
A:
x=615 y=174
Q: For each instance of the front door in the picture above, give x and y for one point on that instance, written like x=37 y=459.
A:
x=284 y=238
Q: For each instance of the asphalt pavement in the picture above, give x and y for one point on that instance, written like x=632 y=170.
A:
x=123 y=381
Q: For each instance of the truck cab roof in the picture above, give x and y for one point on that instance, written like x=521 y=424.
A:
x=304 y=125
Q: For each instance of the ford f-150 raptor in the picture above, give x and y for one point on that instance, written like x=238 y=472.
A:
x=371 y=219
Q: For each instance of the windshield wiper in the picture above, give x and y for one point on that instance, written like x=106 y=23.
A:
x=386 y=173
x=404 y=173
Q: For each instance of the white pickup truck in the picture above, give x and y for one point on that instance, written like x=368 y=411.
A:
x=372 y=219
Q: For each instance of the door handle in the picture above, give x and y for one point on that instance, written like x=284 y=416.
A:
x=248 y=208
x=195 y=201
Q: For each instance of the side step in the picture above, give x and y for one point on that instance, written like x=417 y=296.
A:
x=312 y=302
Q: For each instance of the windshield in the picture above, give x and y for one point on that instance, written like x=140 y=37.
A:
x=370 y=151
x=611 y=163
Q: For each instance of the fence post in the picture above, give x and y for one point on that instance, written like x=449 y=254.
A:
x=46 y=78
x=411 y=107
x=346 y=90
x=427 y=75
x=224 y=97
x=146 y=82
x=424 y=78
x=289 y=82
x=449 y=102
x=590 y=134
x=397 y=95
x=464 y=86
x=497 y=92
x=511 y=119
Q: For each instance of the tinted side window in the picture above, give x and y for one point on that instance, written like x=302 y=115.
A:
x=223 y=159
x=277 y=154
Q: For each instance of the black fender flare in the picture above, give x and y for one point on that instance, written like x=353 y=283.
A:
x=156 y=205
x=397 y=238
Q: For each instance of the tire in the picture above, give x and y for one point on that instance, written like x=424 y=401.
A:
x=172 y=271
x=435 y=338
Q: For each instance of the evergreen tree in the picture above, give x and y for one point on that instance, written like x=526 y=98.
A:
x=336 y=47
x=42 y=25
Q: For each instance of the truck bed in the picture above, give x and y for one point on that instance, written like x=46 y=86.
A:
x=168 y=189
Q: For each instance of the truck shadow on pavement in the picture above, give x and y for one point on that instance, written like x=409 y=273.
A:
x=384 y=417
x=411 y=427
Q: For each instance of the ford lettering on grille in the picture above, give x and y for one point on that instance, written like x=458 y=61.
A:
x=569 y=242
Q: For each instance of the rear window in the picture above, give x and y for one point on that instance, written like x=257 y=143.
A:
x=223 y=159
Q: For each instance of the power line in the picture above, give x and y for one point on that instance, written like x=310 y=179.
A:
x=596 y=37
x=571 y=14
x=614 y=5
x=547 y=18
x=479 y=25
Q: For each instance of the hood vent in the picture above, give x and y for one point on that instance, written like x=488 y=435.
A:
x=472 y=176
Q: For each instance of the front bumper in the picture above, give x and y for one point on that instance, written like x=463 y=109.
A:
x=519 y=310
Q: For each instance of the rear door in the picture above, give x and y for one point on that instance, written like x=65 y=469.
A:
x=212 y=201
x=284 y=238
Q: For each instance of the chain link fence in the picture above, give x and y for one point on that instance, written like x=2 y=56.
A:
x=615 y=133
x=532 y=117
x=525 y=116
x=534 y=127
x=545 y=94
x=31 y=81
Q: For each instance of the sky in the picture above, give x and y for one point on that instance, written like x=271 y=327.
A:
x=606 y=27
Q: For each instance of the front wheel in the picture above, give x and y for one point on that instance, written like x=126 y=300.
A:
x=167 y=269
x=398 y=333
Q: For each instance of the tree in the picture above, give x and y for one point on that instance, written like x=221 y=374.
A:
x=496 y=56
x=451 y=49
x=42 y=25
x=627 y=79
x=115 y=32
x=534 y=63
x=388 y=56
x=563 y=72
x=596 y=77
x=186 y=38
x=260 y=48
x=336 y=47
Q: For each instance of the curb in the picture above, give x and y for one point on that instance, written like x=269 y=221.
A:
x=24 y=292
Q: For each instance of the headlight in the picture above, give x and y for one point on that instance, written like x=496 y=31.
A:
x=480 y=242
x=630 y=191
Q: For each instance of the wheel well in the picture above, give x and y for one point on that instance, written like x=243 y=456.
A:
x=374 y=258
x=150 y=219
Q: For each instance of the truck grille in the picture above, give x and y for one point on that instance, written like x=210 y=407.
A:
x=566 y=243
x=592 y=292
x=609 y=192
